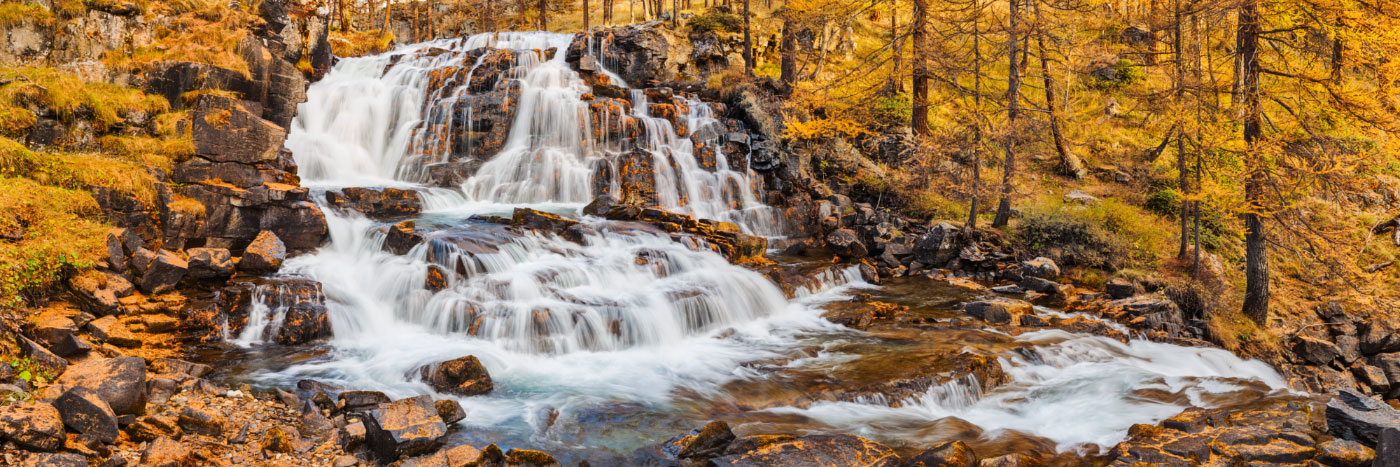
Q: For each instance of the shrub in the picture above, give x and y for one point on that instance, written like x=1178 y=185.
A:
x=1166 y=202
x=716 y=21
x=1110 y=234
x=1117 y=75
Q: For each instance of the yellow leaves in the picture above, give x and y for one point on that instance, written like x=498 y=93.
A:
x=819 y=128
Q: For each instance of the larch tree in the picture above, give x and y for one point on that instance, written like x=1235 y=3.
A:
x=1013 y=110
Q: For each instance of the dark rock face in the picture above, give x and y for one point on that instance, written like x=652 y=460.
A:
x=58 y=334
x=1359 y=418
x=83 y=412
x=636 y=53
x=405 y=427
x=245 y=181
x=304 y=322
x=844 y=450
x=998 y=310
x=1315 y=351
x=120 y=382
x=1387 y=452
x=36 y=426
x=465 y=376
x=450 y=411
x=376 y=203
x=702 y=442
x=1120 y=288
x=358 y=401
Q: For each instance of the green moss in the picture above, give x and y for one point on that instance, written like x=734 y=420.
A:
x=716 y=21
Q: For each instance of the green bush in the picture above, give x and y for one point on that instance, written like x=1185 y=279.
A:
x=1121 y=74
x=1165 y=202
x=894 y=110
x=1071 y=237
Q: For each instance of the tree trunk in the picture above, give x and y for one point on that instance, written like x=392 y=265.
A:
x=748 y=42
x=676 y=13
x=544 y=15
x=585 y=16
x=1070 y=164
x=976 y=115
x=896 y=78
x=1180 y=70
x=918 y=121
x=788 y=65
x=1013 y=108
x=388 y=13
x=1256 y=290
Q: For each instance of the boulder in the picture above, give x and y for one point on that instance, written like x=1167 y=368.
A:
x=303 y=322
x=465 y=376
x=201 y=421
x=1011 y=460
x=1039 y=285
x=1387 y=453
x=842 y=450
x=529 y=458
x=85 y=413
x=163 y=272
x=1315 y=351
x=153 y=427
x=406 y=427
x=111 y=330
x=939 y=246
x=264 y=255
x=210 y=263
x=950 y=454
x=166 y=452
x=99 y=292
x=358 y=401
x=450 y=411
x=54 y=459
x=402 y=237
x=120 y=382
x=997 y=310
x=1356 y=417
x=710 y=440
x=42 y=357
x=846 y=244
x=32 y=425
x=1042 y=267
x=1348 y=453
x=58 y=333
x=1120 y=288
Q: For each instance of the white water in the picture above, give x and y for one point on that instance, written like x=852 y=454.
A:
x=630 y=318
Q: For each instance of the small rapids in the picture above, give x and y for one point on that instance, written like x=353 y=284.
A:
x=622 y=338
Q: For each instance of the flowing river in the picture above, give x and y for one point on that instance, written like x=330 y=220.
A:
x=596 y=354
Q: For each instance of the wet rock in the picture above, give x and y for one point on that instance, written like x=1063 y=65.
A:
x=402 y=237
x=938 y=246
x=85 y=413
x=163 y=272
x=529 y=458
x=1359 y=418
x=750 y=443
x=846 y=244
x=950 y=454
x=54 y=365
x=997 y=310
x=449 y=410
x=264 y=255
x=120 y=382
x=111 y=330
x=376 y=203
x=405 y=427
x=304 y=322
x=1346 y=453
x=1156 y=309
x=201 y=421
x=1315 y=351
x=1042 y=267
x=638 y=53
x=843 y=450
x=465 y=376
x=1011 y=460
x=210 y=263
x=58 y=333
x=358 y=401
x=37 y=426
x=1040 y=285
x=166 y=452
x=703 y=442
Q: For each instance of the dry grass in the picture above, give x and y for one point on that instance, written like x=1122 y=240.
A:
x=187 y=206
x=359 y=43
x=202 y=32
x=58 y=229
x=16 y=12
x=77 y=171
x=70 y=97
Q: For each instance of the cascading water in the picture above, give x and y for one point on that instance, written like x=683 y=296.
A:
x=604 y=342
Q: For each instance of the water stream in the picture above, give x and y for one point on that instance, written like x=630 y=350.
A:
x=607 y=345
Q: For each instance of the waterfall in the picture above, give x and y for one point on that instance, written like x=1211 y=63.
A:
x=607 y=328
